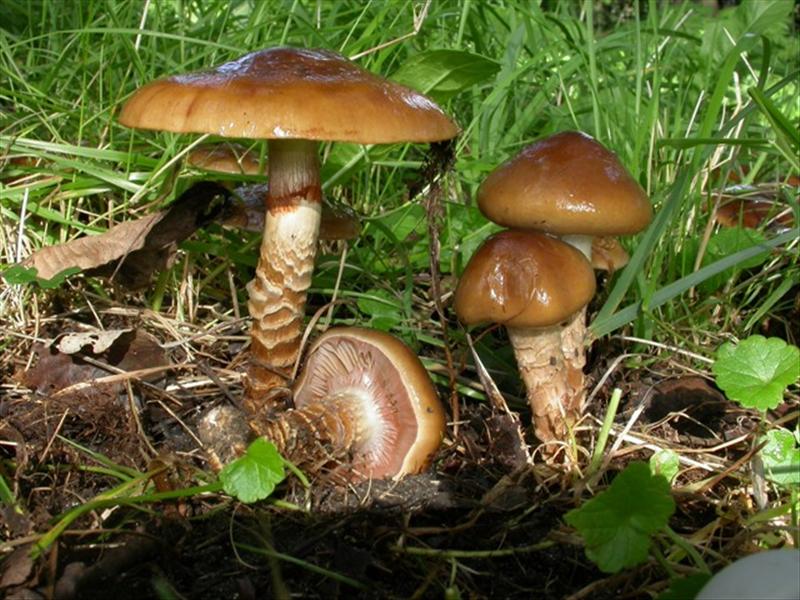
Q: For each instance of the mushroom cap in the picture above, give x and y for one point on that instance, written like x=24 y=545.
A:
x=289 y=93
x=608 y=254
x=567 y=183
x=523 y=279
x=403 y=419
x=225 y=158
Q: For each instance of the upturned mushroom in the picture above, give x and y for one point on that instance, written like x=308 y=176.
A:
x=536 y=286
x=294 y=98
x=363 y=399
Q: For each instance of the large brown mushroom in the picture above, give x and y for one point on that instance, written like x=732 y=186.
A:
x=536 y=286
x=294 y=98
x=363 y=399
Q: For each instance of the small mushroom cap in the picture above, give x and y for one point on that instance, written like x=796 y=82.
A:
x=565 y=184
x=404 y=415
x=608 y=254
x=523 y=279
x=289 y=93
x=225 y=158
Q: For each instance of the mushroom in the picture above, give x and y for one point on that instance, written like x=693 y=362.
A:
x=567 y=185
x=363 y=398
x=336 y=223
x=230 y=158
x=294 y=98
x=608 y=254
x=536 y=286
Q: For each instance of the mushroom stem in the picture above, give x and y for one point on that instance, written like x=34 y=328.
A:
x=580 y=242
x=550 y=361
x=283 y=274
x=320 y=433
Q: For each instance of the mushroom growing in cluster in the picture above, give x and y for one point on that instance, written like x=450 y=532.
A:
x=294 y=98
x=536 y=286
x=567 y=185
x=363 y=399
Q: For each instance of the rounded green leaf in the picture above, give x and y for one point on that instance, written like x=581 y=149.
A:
x=756 y=371
x=254 y=476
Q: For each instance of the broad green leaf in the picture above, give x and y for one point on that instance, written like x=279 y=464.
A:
x=781 y=457
x=757 y=370
x=666 y=463
x=617 y=523
x=444 y=73
x=382 y=307
x=254 y=476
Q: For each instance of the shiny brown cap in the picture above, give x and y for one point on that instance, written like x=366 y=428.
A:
x=523 y=279
x=289 y=93
x=608 y=254
x=405 y=417
x=565 y=184
x=225 y=158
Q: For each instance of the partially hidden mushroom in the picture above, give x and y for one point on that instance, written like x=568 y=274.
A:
x=294 y=98
x=536 y=286
x=363 y=400
x=608 y=254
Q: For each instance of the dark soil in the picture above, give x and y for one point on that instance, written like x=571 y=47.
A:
x=430 y=535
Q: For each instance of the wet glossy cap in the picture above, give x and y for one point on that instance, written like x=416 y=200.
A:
x=289 y=93
x=402 y=418
x=523 y=279
x=565 y=184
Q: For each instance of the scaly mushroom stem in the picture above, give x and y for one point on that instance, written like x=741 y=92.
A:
x=320 y=433
x=285 y=264
x=551 y=361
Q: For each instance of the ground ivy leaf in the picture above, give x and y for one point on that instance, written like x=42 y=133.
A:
x=665 y=462
x=254 y=476
x=781 y=457
x=756 y=371
x=617 y=523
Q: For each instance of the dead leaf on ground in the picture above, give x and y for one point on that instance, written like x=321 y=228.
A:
x=65 y=362
x=697 y=407
x=133 y=251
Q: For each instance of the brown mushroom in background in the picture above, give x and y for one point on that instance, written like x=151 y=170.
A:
x=363 y=399
x=753 y=213
x=294 y=98
x=536 y=286
x=608 y=254
x=225 y=158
